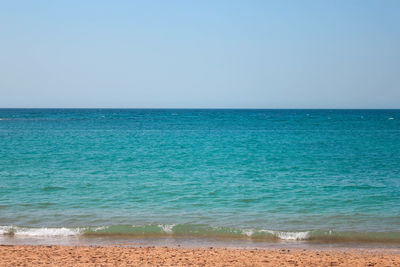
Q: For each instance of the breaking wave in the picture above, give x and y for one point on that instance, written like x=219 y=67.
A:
x=205 y=231
x=38 y=232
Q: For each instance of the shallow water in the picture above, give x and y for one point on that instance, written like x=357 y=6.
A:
x=317 y=175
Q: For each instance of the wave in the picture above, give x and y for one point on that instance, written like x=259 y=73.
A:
x=203 y=231
x=38 y=232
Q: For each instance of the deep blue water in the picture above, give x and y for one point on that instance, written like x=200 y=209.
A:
x=289 y=174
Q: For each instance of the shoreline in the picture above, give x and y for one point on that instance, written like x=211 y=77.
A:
x=117 y=255
x=171 y=234
x=190 y=242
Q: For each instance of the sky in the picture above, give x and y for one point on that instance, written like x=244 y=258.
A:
x=200 y=54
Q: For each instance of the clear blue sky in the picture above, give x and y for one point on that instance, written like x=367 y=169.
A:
x=200 y=54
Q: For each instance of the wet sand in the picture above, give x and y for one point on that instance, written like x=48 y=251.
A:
x=168 y=256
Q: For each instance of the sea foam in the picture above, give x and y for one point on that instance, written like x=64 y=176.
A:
x=167 y=228
x=304 y=235
x=292 y=235
x=39 y=232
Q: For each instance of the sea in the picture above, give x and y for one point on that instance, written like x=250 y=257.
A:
x=248 y=177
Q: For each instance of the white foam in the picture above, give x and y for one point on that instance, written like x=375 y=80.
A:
x=5 y=230
x=268 y=231
x=292 y=235
x=100 y=228
x=288 y=235
x=391 y=119
x=248 y=232
x=47 y=232
x=167 y=228
x=37 y=232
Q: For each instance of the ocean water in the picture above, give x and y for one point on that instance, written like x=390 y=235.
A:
x=265 y=175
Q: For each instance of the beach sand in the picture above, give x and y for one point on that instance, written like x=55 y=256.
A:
x=168 y=256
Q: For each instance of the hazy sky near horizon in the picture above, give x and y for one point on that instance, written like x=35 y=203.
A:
x=200 y=54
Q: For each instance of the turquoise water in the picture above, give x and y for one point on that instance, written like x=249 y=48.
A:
x=261 y=174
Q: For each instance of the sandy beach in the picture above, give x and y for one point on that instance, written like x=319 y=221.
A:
x=166 y=256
